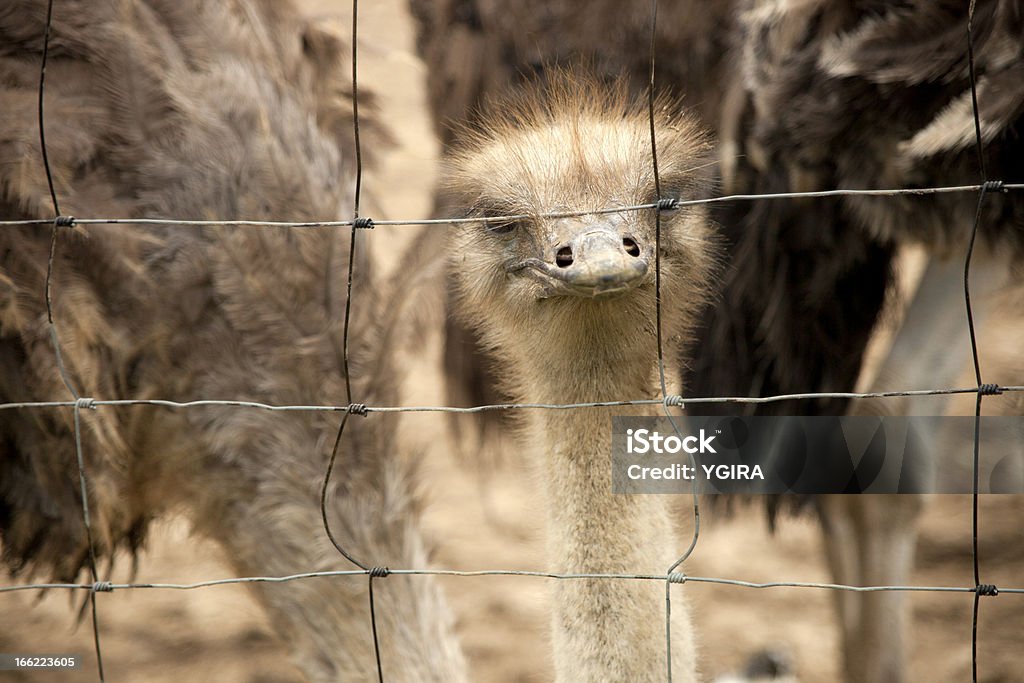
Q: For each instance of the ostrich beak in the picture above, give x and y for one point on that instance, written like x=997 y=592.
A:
x=594 y=261
x=601 y=261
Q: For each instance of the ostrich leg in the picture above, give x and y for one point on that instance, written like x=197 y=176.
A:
x=869 y=539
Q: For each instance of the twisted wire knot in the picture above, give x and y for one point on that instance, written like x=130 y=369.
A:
x=358 y=409
x=993 y=186
x=667 y=204
x=363 y=223
x=64 y=221
x=676 y=577
x=674 y=400
x=986 y=589
x=85 y=403
x=103 y=587
x=379 y=572
x=990 y=389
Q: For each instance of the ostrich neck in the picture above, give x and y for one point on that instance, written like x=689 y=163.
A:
x=592 y=530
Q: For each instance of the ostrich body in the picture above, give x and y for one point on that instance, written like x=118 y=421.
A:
x=568 y=305
x=870 y=100
x=208 y=111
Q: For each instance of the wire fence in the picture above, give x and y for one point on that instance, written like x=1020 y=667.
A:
x=666 y=400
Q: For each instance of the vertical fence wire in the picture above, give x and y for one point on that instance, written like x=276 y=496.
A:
x=979 y=589
x=357 y=222
x=60 y=221
x=662 y=204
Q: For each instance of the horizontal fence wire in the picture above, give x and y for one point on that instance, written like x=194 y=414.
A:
x=673 y=577
x=79 y=403
x=359 y=408
x=371 y=223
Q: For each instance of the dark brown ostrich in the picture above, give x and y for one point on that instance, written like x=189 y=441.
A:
x=805 y=96
x=204 y=111
x=869 y=100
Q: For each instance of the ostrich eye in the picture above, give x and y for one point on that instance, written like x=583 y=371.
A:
x=501 y=227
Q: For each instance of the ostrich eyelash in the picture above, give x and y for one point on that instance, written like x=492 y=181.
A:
x=501 y=228
x=495 y=226
x=490 y=215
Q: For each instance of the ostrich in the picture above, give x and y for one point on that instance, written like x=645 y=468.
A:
x=804 y=96
x=568 y=304
x=204 y=111
x=823 y=63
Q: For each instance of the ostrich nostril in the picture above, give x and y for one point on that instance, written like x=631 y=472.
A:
x=563 y=257
x=632 y=248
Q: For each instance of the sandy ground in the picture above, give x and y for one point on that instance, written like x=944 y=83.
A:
x=494 y=521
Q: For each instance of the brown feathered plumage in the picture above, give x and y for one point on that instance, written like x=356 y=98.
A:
x=147 y=116
x=863 y=95
x=202 y=110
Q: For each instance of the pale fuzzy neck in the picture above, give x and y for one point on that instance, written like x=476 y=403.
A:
x=606 y=630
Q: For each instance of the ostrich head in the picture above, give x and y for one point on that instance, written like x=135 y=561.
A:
x=585 y=283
